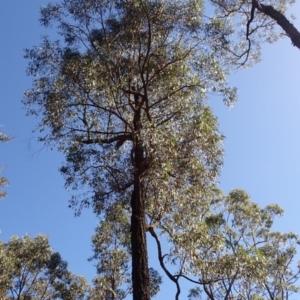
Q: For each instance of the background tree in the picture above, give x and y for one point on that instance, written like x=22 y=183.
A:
x=30 y=269
x=229 y=251
x=111 y=245
x=3 y=180
x=123 y=96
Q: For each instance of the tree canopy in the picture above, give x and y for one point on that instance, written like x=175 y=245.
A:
x=233 y=252
x=230 y=252
x=250 y=24
x=227 y=250
x=30 y=269
x=123 y=94
x=124 y=99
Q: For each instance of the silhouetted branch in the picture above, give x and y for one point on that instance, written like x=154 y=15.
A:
x=161 y=261
x=283 y=22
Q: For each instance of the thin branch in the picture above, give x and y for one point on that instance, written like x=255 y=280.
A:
x=119 y=139
x=161 y=261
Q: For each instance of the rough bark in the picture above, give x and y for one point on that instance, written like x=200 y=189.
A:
x=140 y=276
x=283 y=22
x=140 y=272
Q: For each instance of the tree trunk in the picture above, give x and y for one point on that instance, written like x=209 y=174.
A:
x=140 y=272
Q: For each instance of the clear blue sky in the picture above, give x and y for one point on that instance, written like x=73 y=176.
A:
x=262 y=143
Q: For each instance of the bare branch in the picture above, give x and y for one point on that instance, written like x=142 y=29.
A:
x=120 y=138
x=161 y=261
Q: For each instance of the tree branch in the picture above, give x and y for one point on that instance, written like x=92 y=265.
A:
x=120 y=139
x=283 y=22
x=161 y=261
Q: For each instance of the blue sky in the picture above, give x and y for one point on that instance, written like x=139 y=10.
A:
x=262 y=143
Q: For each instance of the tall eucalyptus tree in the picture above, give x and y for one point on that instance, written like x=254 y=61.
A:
x=123 y=96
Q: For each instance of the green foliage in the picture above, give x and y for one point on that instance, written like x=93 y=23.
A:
x=4 y=137
x=111 y=245
x=123 y=94
x=230 y=251
x=3 y=181
x=226 y=247
x=248 y=26
x=30 y=269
